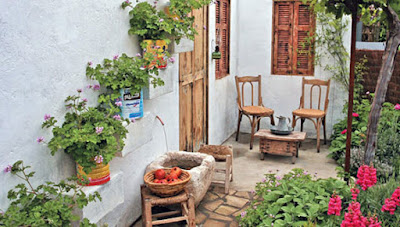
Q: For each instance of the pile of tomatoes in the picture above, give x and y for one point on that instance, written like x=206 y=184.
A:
x=161 y=177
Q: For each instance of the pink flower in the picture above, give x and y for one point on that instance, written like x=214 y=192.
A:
x=176 y=18
x=157 y=47
x=89 y=86
x=372 y=222
x=243 y=214
x=356 y=115
x=117 y=117
x=85 y=100
x=367 y=93
x=390 y=205
x=96 y=87
x=98 y=159
x=40 y=139
x=344 y=132
x=397 y=107
x=205 y=27
x=171 y=59
x=127 y=2
x=264 y=180
x=90 y=63
x=354 y=193
x=99 y=130
x=354 y=216
x=133 y=120
x=118 y=103
x=335 y=205
x=79 y=90
x=47 y=117
x=138 y=55
x=161 y=20
x=278 y=177
x=116 y=57
x=366 y=177
x=7 y=169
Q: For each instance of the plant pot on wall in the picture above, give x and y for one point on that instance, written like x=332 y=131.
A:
x=132 y=104
x=158 y=50
x=98 y=176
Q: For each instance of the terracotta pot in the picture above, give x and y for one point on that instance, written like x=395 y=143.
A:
x=158 y=49
x=98 y=176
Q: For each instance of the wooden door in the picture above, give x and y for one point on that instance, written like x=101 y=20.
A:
x=193 y=73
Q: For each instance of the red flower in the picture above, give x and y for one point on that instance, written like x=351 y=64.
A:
x=335 y=205
x=356 y=115
x=366 y=177
x=344 y=131
x=354 y=193
x=372 y=222
x=390 y=205
x=353 y=217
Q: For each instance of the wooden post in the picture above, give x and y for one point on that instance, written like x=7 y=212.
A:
x=351 y=87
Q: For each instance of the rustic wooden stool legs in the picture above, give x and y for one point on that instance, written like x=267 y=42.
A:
x=149 y=201
x=228 y=171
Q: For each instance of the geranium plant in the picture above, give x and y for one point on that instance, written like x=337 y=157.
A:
x=87 y=134
x=49 y=204
x=149 y=23
x=123 y=72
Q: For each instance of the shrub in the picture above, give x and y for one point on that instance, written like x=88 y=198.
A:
x=294 y=200
x=49 y=204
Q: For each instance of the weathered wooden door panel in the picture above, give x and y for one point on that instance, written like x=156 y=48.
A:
x=192 y=88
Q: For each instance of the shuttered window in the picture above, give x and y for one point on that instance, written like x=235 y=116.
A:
x=222 y=37
x=293 y=24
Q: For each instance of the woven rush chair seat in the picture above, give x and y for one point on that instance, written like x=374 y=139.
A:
x=218 y=152
x=258 y=110
x=313 y=113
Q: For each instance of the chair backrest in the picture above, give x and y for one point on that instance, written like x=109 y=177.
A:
x=240 y=82
x=315 y=83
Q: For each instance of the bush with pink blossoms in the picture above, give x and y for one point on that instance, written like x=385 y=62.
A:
x=86 y=132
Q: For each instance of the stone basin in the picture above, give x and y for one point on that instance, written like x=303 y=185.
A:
x=200 y=166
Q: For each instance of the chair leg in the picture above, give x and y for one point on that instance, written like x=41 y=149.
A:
x=147 y=219
x=231 y=170
x=253 y=126
x=258 y=124
x=238 y=127
x=272 y=119
x=294 y=122
x=324 y=124
x=319 y=120
x=228 y=165
x=302 y=123
x=192 y=212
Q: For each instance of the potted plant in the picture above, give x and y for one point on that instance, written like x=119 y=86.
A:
x=123 y=78
x=90 y=136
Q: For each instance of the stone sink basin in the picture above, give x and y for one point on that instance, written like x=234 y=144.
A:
x=200 y=166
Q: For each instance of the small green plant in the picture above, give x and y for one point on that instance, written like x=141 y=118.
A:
x=123 y=72
x=87 y=134
x=49 y=204
x=293 y=200
x=149 y=23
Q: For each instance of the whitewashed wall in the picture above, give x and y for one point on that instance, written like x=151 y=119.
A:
x=44 y=48
x=279 y=92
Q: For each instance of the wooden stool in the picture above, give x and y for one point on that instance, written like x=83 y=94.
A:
x=149 y=200
x=221 y=154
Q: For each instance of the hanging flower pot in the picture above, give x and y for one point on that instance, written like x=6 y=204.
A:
x=132 y=104
x=98 y=176
x=157 y=49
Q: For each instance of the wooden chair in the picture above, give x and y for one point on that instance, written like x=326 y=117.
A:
x=313 y=113
x=184 y=199
x=253 y=112
x=221 y=154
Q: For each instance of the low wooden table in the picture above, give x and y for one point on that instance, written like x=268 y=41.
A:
x=281 y=145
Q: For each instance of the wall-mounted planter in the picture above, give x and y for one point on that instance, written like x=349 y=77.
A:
x=185 y=45
x=168 y=76
x=157 y=48
x=132 y=104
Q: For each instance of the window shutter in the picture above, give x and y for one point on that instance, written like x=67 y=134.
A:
x=302 y=50
x=222 y=33
x=283 y=17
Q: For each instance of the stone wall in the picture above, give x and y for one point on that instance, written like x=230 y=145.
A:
x=374 y=64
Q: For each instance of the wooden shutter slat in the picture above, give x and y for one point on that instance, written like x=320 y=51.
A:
x=223 y=19
x=302 y=29
x=282 y=38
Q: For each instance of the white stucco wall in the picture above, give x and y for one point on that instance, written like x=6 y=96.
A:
x=44 y=48
x=222 y=92
x=281 y=93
